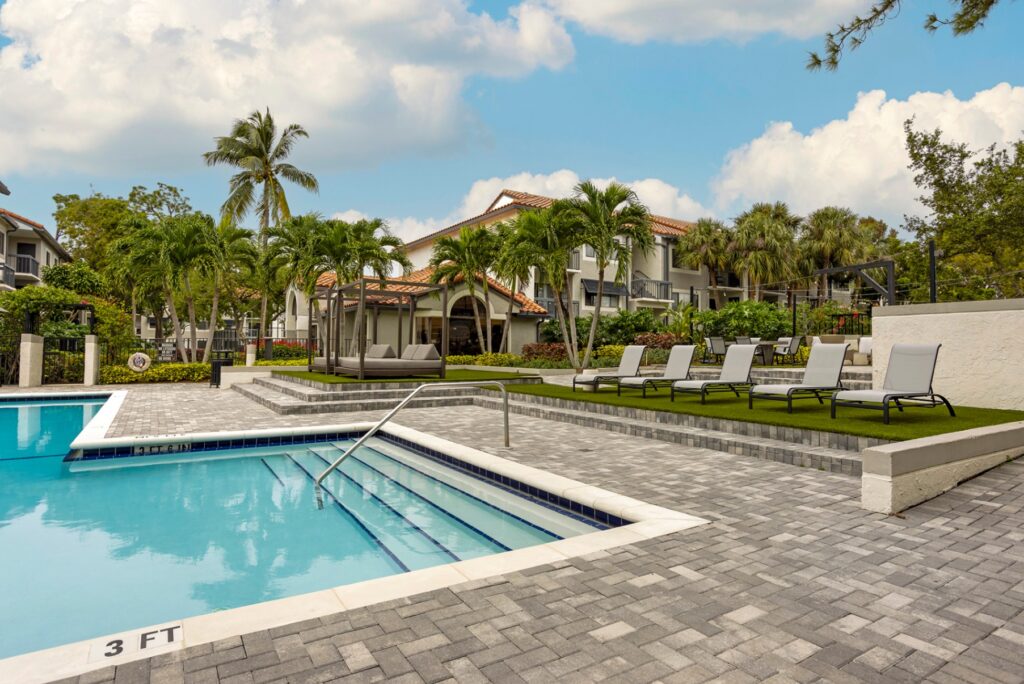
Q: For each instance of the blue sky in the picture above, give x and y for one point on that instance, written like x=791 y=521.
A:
x=655 y=110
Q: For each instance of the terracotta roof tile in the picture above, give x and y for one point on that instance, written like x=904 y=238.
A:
x=526 y=305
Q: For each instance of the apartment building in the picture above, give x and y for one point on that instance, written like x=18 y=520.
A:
x=28 y=247
x=654 y=282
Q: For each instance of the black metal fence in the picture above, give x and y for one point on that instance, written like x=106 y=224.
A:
x=63 y=360
x=10 y=358
x=854 y=323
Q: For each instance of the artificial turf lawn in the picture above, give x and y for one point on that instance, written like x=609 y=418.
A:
x=452 y=376
x=807 y=414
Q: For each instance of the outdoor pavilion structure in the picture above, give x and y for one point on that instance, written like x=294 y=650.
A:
x=373 y=295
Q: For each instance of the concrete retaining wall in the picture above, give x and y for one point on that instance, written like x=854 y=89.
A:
x=899 y=475
x=981 y=362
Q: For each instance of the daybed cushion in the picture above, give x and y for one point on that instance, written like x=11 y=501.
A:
x=380 y=351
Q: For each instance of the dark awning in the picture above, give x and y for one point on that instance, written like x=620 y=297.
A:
x=590 y=287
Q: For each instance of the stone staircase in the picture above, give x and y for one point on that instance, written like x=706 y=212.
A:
x=819 y=450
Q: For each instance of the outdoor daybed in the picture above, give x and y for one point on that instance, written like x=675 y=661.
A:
x=380 y=362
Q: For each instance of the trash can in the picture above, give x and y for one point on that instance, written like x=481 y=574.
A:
x=218 y=360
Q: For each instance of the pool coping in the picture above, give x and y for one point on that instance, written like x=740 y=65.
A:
x=648 y=521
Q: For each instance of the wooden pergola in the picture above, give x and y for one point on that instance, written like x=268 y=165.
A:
x=372 y=295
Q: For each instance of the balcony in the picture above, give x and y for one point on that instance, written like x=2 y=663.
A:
x=7 y=276
x=646 y=288
x=23 y=264
x=549 y=305
x=574 y=260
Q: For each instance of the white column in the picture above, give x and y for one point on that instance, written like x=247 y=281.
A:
x=92 y=361
x=250 y=355
x=30 y=371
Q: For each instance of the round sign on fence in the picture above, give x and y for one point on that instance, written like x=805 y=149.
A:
x=139 y=362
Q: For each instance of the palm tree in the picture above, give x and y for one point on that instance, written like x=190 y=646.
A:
x=357 y=249
x=299 y=243
x=706 y=245
x=764 y=243
x=462 y=256
x=551 y=241
x=229 y=249
x=614 y=223
x=830 y=236
x=254 y=148
x=515 y=262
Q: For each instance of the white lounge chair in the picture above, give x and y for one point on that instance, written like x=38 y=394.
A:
x=787 y=348
x=735 y=375
x=629 y=367
x=821 y=378
x=908 y=382
x=677 y=368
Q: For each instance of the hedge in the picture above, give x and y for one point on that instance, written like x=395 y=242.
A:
x=165 y=372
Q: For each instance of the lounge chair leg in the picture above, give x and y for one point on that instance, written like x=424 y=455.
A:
x=618 y=390
x=885 y=412
x=750 y=400
x=948 y=405
x=672 y=394
x=789 y=403
x=703 y=396
x=833 y=411
x=898 y=404
x=643 y=390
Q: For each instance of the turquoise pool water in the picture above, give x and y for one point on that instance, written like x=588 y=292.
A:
x=99 y=547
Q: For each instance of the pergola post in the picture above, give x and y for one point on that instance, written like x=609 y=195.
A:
x=328 y=331
x=361 y=326
x=399 y=316
x=412 y=320
x=309 y=331
x=444 y=330
x=341 y=335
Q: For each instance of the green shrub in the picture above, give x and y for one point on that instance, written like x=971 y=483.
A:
x=165 y=372
x=750 y=318
x=610 y=351
x=461 y=359
x=280 y=362
x=546 y=363
x=614 y=327
x=290 y=349
x=499 y=360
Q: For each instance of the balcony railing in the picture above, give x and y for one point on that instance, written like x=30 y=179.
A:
x=8 y=275
x=22 y=263
x=549 y=304
x=645 y=288
x=574 y=260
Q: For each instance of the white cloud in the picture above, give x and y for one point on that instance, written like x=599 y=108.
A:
x=93 y=86
x=682 y=21
x=860 y=161
x=659 y=196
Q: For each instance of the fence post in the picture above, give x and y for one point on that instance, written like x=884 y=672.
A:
x=92 y=361
x=30 y=370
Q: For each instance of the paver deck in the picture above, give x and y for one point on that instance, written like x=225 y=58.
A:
x=792 y=580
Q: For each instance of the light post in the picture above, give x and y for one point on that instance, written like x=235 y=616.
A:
x=933 y=254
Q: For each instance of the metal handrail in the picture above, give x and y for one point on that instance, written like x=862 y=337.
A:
x=391 y=414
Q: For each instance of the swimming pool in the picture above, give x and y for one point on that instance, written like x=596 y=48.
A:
x=117 y=543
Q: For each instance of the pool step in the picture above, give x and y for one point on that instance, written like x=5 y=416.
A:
x=311 y=394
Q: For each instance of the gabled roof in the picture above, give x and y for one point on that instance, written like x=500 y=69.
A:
x=526 y=305
x=508 y=200
x=19 y=222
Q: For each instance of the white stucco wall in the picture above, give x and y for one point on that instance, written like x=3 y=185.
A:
x=981 y=362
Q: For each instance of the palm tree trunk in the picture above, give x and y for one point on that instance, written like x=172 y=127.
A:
x=715 y=292
x=560 y=316
x=507 y=328
x=176 y=324
x=261 y=334
x=571 y=314
x=213 y=320
x=487 y=315
x=595 y=318
x=190 y=306
x=476 y=318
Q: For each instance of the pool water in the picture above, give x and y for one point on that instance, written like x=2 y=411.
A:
x=104 y=546
x=42 y=428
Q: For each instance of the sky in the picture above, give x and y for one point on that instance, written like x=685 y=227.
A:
x=421 y=111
